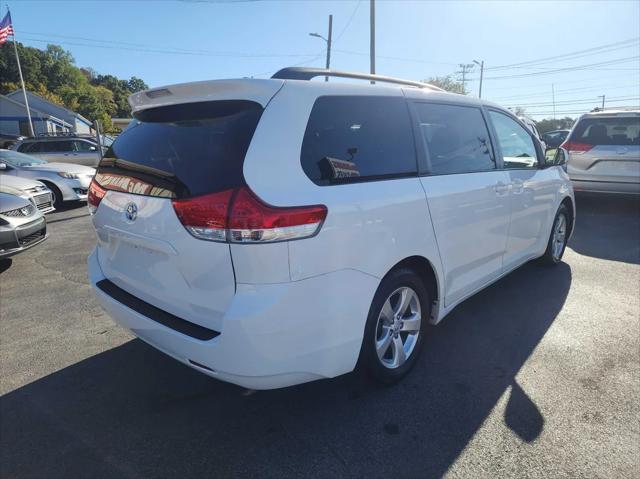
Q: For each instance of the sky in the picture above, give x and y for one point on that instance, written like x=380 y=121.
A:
x=594 y=44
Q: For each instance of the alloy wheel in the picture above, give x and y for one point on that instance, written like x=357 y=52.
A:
x=559 y=236
x=398 y=327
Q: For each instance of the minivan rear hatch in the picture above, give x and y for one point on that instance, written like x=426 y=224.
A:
x=606 y=148
x=169 y=153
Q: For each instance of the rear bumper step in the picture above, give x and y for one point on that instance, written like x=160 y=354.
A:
x=156 y=314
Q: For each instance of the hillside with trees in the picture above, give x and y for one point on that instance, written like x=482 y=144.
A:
x=53 y=75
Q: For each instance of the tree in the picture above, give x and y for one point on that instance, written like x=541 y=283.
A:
x=448 y=83
x=53 y=75
x=550 y=124
x=136 y=85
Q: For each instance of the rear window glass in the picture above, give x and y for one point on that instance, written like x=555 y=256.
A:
x=181 y=150
x=608 y=131
x=358 y=138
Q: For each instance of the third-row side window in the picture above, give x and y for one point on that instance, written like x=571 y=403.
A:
x=456 y=137
x=356 y=138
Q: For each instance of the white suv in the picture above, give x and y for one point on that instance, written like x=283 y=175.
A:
x=273 y=232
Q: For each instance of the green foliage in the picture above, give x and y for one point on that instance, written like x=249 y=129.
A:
x=53 y=75
x=550 y=124
x=448 y=83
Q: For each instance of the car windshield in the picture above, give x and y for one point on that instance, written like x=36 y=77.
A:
x=18 y=160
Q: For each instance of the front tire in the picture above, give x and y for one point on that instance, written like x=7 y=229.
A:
x=57 y=194
x=396 y=326
x=558 y=237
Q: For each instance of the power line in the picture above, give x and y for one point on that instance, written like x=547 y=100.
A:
x=537 y=66
x=353 y=14
x=572 y=102
x=568 y=69
x=151 y=49
x=589 y=88
x=403 y=59
x=563 y=56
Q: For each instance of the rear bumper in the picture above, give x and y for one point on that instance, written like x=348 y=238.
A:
x=632 y=188
x=272 y=335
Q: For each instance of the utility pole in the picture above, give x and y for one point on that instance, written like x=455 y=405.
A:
x=372 y=38
x=464 y=69
x=329 y=45
x=602 y=96
x=553 y=100
x=328 y=41
x=481 y=63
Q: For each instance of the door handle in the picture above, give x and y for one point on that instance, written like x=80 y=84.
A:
x=500 y=188
x=517 y=186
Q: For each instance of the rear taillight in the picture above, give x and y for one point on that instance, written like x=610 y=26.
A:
x=239 y=216
x=205 y=217
x=576 y=148
x=94 y=196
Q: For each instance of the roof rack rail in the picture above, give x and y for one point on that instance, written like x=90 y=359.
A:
x=304 y=73
x=615 y=108
x=65 y=134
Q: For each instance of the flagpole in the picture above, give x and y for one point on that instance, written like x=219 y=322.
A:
x=24 y=90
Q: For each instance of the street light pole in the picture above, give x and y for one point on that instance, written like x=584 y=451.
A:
x=328 y=42
x=481 y=63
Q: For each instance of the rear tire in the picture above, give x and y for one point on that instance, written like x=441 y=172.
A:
x=558 y=237
x=57 y=195
x=396 y=327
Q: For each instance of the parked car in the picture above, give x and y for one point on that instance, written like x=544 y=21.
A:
x=273 y=232
x=22 y=225
x=7 y=140
x=77 y=150
x=531 y=125
x=67 y=182
x=34 y=191
x=553 y=139
x=603 y=152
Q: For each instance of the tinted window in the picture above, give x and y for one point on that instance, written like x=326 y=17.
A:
x=358 y=138
x=608 y=131
x=55 y=146
x=28 y=147
x=182 y=150
x=518 y=149
x=83 y=146
x=456 y=137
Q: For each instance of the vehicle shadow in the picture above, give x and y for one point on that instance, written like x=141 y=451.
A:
x=605 y=220
x=70 y=206
x=132 y=412
x=5 y=264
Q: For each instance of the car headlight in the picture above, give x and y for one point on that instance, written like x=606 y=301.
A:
x=68 y=176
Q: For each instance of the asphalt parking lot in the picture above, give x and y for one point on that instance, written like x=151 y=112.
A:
x=537 y=376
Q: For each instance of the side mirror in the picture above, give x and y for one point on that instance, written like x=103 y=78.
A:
x=559 y=159
x=92 y=148
x=3 y=167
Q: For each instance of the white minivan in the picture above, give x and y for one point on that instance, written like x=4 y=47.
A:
x=273 y=232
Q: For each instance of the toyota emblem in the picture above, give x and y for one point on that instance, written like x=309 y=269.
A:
x=131 y=211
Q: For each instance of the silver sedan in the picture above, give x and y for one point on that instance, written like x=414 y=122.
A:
x=22 y=225
x=67 y=181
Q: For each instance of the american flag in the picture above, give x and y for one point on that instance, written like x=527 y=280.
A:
x=6 y=28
